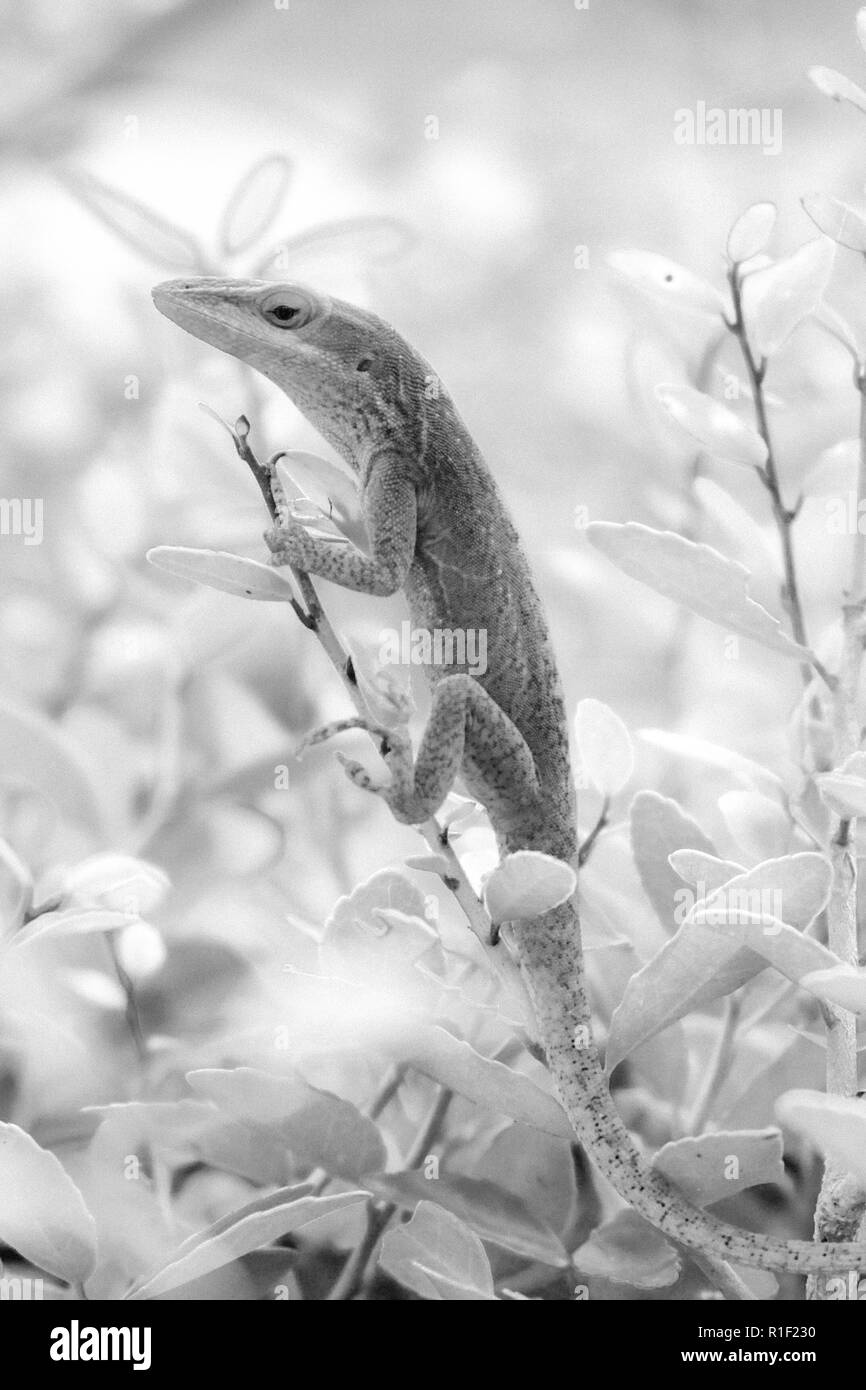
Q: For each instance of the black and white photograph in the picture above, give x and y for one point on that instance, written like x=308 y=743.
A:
x=433 y=680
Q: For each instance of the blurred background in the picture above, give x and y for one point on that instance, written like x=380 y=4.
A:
x=464 y=170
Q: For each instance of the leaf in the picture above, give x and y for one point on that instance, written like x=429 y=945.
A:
x=703 y=871
x=701 y=1167
x=713 y=425
x=757 y=823
x=695 y=576
x=250 y=1227
x=713 y=755
x=77 y=922
x=306 y=475
x=218 y=569
x=527 y=884
x=627 y=1250
x=665 y=279
x=701 y=963
x=658 y=827
x=843 y=792
x=353 y=240
x=836 y=220
x=605 y=746
x=117 y=881
x=492 y=1085
x=319 y=1128
x=437 y=1256
x=538 y=1167
x=378 y=931
x=751 y=232
x=42 y=1212
x=790 y=952
x=836 y=1125
x=777 y=298
x=154 y=237
x=838 y=87
x=35 y=752
x=843 y=985
x=741 y=530
x=254 y=204
x=494 y=1213
x=835 y=470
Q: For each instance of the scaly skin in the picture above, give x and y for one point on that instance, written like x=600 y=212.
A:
x=438 y=529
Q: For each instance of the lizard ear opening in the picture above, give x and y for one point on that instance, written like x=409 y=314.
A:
x=364 y=365
x=287 y=309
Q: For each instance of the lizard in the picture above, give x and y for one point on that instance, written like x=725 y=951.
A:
x=438 y=529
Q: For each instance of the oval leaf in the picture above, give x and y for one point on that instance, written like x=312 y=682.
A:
x=254 y=204
x=218 y=569
x=153 y=236
x=838 y=87
x=701 y=1166
x=438 y=1256
x=715 y=427
x=751 y=232
x=778 y=298
x=42 y=1212
x=695 y=576
x=836 y=220
x=605 y=746
x=526 y=884
x=665 y=279
x=627 y=1250
x=836 y=1125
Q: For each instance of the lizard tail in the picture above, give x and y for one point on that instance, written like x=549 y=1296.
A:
x=550 y=955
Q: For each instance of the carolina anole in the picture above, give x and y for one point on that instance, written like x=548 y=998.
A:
x=439 y=530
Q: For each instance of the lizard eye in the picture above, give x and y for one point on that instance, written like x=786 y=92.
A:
x=286 y=310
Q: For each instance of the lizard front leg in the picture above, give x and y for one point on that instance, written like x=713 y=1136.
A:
x=390 y=514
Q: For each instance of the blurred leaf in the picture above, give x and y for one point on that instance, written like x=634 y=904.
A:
x=438 y=1257
x=835 y=470
x=844 y=986
x=713 y=425
x=751 y=232
x=375 y=240
x=605 y=746
x=700 y=1165
x=233 y=574
x=665 y=279
x=254 y=204
x=76 y=922
x=836 y=220
x=628 y=1250
x=34 y=752
x=378 y=931
x=260 y=1223
x=319 y=1128
x=526 y=884
x=713 y=755
x=702 y=963
x=494 y=1213
x=843 y=792
x=492 y=1085
x=840 y=88
x=778 y=298
x=742 y=530
x=703 y=870
x=757 y=823
x=118 y=882
x=153 y=236
x=693 y=575
x=658 y=827
x=836 y=1125
x=42 y=1212
x=539 y=1167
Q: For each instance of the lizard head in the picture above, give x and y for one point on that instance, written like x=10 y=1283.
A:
x=348 y=372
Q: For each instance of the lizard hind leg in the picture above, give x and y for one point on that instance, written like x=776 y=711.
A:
x=466 y=732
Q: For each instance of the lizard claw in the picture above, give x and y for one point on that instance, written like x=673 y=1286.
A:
x=340 y=726
x=359 y=775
